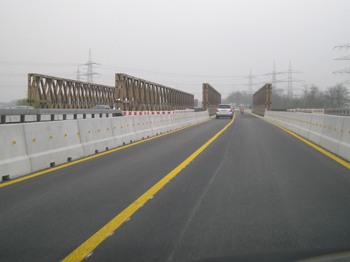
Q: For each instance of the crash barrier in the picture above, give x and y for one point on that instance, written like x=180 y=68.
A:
x=14 y=160
x=31 y=147
x=307 y=110
x=338 y=111
x=327 y=131
x=50 y=144
x=41 y=115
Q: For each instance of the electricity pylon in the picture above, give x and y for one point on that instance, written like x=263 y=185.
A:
x=90 y=73
x=250 y=82
x=345 y=70
x=291 y=80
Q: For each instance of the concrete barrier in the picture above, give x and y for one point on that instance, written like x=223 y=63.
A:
x=344 y=144
x=305 y=125
x=166 y=121
x=96 y=135
x=14 y=161
x=52 y=143
x=142 y=127
x=316 y=128
x=156 y=124
x=123 y=130
x=331 y=134
x=295 y=122
x=32 y=147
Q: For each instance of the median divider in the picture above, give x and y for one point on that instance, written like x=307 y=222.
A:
x=52 y=143
x=331 y=134
x=316 y=128
x=166 y=122
x=123 y=130
x=14 y=160
x=32 y=147
x=142 y=127
x=344 y=144
x=156 y=124
x=96 y=135
x=305 y=125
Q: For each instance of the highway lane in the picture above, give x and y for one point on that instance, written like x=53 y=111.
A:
x=254 y=189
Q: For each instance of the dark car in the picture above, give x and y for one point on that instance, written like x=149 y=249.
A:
x=22 y=107
x=101 y=107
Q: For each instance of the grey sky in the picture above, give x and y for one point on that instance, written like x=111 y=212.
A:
x=180 y=44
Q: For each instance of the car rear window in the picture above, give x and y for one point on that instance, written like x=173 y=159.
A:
x=224 y=106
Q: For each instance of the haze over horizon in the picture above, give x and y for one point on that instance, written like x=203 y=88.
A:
x=180 y=44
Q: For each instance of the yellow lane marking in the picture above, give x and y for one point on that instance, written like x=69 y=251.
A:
x=89 y=245
x=89 y=157
x=335 y=257
x=335 y=158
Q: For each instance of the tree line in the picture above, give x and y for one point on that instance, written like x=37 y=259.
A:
x=337 y=96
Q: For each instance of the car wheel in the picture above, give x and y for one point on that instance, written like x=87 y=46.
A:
x=217 y=117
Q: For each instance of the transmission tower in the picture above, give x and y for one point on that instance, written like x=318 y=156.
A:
x=274 y=80
x=78 y=74
x=90 y=73
x=291 y=80
x=250 y=82
x=345 y=70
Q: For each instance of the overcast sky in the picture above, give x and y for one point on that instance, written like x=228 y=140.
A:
x=180 y=44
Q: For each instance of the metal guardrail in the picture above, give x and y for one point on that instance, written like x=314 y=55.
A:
x=337 y=111
x=39 y=115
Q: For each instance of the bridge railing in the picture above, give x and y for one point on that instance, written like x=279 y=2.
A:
x=135 y=94
x=211 y=98
x=54 y=92
x=262 y=100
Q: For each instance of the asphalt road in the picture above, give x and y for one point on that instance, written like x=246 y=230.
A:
x=254 y=190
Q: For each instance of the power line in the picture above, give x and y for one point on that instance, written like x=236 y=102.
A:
x=170 y=74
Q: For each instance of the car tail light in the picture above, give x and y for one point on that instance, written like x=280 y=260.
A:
x=217 y=110
x=231 y=110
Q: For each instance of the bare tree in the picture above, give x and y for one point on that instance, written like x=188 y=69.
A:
x=313 y=98
x=337 y=96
